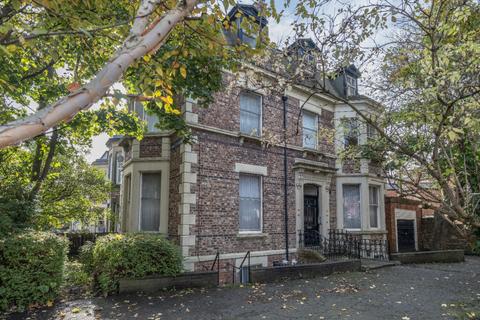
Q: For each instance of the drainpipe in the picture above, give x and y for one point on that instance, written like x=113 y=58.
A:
x=285 y=174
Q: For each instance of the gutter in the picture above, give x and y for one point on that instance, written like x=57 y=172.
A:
x=285 y=174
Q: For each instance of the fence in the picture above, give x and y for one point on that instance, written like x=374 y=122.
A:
x=342 y=244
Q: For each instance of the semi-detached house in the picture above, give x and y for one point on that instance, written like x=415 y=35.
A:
x=225 y=192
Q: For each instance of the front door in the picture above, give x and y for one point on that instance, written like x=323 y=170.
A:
x=311 y=220
x=406 y=235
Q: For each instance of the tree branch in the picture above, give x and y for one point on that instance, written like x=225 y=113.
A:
x=134 y=48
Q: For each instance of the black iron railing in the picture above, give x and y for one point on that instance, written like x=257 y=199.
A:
x=244 y=271
x=343 y=244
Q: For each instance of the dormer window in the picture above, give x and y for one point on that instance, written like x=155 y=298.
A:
x=151 y=120
x=248 y=38
x=249 y=25
x=351 y=86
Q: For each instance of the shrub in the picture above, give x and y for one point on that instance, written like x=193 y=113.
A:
x=76 y=275
x=310 y=256
x=133 y=255
x=86 y=256
x=31 y=268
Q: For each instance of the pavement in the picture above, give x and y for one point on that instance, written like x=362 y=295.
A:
x=406 y=292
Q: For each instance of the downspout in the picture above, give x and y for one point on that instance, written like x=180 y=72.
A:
x=285 y=174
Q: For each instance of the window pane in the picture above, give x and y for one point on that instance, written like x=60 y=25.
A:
x=351 y=206
x=150 y=202
x=151 y=120
x=309 y=120
x=249 y=123
x=351 y=132
x=250 y=112
x=373 y=200
x=309 y=130
x=250 y=203
x=373 y=194
x=309 y=138
x=373 y=216
x=250 y=102
x=119 y=164
x=138 y=106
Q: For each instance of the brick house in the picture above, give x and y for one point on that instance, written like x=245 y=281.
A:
x=226 y=193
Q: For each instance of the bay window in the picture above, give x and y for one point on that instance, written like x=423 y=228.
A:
x=373 y=192
x=351 y=206
x=150 y=202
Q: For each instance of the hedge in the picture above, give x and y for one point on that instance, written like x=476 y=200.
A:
x=133 y=255
x=31 y=269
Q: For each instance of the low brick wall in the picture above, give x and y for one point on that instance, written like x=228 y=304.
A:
x=271 y=274
x=182 y=281
x=444 y=256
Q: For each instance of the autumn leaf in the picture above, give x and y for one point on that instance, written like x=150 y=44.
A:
x=183 y=72
x=73 y=86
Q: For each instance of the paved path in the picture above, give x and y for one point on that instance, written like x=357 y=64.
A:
x=429 y=291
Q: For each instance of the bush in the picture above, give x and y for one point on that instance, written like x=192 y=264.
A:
x=31 y=268
x=86 y=256
x=133 y=255
x=76 y=275
x=310 y=256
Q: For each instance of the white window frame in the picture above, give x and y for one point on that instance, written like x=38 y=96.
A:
x=140 y=203
x=110 y=167
x=118 y=168
x=260 y=122
x=309 y=113
x=370 y=204
x=260 y=178
x=359 y=185
x=371 y=132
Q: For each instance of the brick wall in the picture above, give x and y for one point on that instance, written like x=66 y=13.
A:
x=218 y=195
x=217 y=190
x=151 y=147
x=392 y=203
x=439 y=234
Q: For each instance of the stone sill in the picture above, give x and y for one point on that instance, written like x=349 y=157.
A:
x=251 y=235
x=367 y=231
x=244 y=136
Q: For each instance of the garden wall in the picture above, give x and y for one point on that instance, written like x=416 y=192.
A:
x=271 y=274
x=182 y=281
x=444 y=256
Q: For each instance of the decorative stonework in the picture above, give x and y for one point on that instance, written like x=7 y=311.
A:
x=188 y=199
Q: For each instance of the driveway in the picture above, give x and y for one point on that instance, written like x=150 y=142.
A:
x=428 y=291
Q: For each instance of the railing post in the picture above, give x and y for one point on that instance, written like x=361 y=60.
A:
x=218 y=271
x=249 y=271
